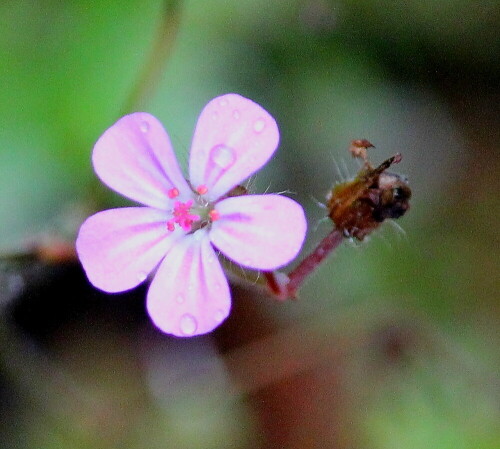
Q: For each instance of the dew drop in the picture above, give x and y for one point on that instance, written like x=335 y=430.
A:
x=217 y=286
x=236 y=114
x=223 y=102
x=188 y=324
x=180 y=299
x=219 y=315
x=144 y=127
x=223 y=156
x=142 y=275
x=259 y=126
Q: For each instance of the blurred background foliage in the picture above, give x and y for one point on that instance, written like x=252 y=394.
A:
x=393 y=343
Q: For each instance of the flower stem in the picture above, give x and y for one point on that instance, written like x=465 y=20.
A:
x=311 y=262
x=284 y=286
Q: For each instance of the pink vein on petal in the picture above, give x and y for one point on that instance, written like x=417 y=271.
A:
x=118 y=248
x=135 y=158
x=189 y=295
x=234 y=137
x=259 y=231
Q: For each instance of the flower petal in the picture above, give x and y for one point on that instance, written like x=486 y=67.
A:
x=135 y=158
x=259 y=231
x=234 y=137
x=189 y=294
x=118 y=248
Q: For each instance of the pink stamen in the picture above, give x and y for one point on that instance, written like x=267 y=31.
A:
x=173 y=193
x=214 y=215
x=202 y=189
x=182 y=216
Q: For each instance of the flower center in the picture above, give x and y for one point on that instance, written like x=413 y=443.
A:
x=182 y=216
x=191 y=216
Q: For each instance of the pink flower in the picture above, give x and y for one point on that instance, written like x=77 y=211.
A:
x=182 y=223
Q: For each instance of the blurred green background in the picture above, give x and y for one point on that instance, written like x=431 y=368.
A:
x=394 y=343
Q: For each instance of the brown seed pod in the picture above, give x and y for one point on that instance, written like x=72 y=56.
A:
x=359 y=206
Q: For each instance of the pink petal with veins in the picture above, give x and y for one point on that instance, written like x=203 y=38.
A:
x=118 y=248
x=135 y=158
x=259 y=231
x=234 y=137
x=189 y=294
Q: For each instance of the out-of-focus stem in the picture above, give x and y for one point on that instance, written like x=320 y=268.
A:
x=151 y=71
x=148 y=77
x=48 y=249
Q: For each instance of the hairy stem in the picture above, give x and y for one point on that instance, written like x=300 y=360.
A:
x=285 y=287
x=311 y=262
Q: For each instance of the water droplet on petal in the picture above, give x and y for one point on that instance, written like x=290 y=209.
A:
x=223 y=102
x=236 y=114
x=144 y=127
x=180 y=299
x=247 y=262
x=219 y=315
x=223 y=156
x=188 y=324
x=217 y=286
x=259 y=126
x=142 y=275
x=215 y=115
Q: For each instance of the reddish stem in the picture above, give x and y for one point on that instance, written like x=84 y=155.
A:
x=273 y=284
x=286 y=286
x=311 y=262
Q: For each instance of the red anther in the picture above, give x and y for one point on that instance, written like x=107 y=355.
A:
x=173 y=193
x=214 y=215
x=182 y=216
x=202 y=189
